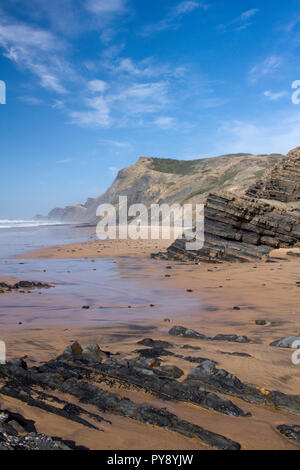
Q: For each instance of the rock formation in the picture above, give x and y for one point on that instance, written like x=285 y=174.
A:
x=85 y=379
x=84 y=388
x=281 y=183
x=18 y=433
x=165 y=180
x=239 y=228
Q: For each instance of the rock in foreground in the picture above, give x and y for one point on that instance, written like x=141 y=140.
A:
x=75 y=375
x=188 y=333
x=291 y=432
x=291 y=342
x=17 y=433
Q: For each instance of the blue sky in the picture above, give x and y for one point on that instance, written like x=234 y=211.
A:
x=94 y=84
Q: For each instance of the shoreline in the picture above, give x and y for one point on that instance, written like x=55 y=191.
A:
x=107 y=248
x=259 y=291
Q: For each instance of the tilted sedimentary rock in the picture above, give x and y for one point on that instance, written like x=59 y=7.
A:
x=241 y=228
x=80 y=376
x=18 y=433
x=291 y=432
x=281 y=183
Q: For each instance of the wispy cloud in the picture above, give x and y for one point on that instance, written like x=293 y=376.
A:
x=70 y=17
x=187 y=7
x=35 y=50
x=147 y=67
x=95 y=114
x=106 y=90
x=129 y=102
x=278 y=133
x=66 y=160
x=288 y=27
x=273 y=96
x=173 y=18
x=248 y=14
x=102 y=7
x=97 y=86
x=241 y=22
x=118 y=144
x=268 y=66
x=31 y=100
x=165 y=122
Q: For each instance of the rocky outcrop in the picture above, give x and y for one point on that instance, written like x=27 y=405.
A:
x=241 y=228
x=165 y=180
x=188 y=333
x=18 y=433
x=83 y=388
x=81 y=376
x=281 y=183
x=222 y=381
x=6 y=287
x=290 y=342
x=291 y=432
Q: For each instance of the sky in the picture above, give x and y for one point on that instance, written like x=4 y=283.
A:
x=91 y=85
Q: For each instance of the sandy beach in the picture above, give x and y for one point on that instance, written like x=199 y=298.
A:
x=211 y=299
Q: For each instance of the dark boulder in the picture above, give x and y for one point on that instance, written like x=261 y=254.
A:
x=155 y=343
x=288 y=342
x=291 y=432
x=185 y=332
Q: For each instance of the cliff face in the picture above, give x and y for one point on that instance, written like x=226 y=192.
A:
x=156 y=180
x=239 y=228
x=70 y=213
x=281 y=183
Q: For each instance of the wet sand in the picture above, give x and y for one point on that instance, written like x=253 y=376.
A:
x=100 y=249
x=262 y=291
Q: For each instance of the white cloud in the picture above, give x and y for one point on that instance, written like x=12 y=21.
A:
x=249 y=13
x=144 y=68
x=278 y=136
x=129 y=103
x=35 y=50
x=274 y=96
x=61 y=15
x=58 y=104
x=174 y=15
x=31 y=100
x=141 y=98
x=97 y=86
x=241 y=22
x=165 y=122
x=142 y=91
x=18 y=36
x=118 y=144
x=96 y=114
x=270 y=65
x=48 y=79
x=185 y=7
x=105 y=6
x=66 y=160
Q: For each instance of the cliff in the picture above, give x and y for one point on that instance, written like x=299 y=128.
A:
x=158 y=180
x=281 y=183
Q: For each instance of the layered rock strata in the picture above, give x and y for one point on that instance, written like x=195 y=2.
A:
x=241 y=228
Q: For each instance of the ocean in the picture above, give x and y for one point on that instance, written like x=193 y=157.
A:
x=21 y=236
x=8 y=223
